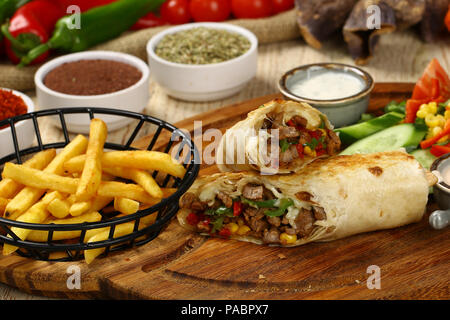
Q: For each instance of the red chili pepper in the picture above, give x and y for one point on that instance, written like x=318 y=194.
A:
x=300 y=150
x=425 y=144
x=192 y=219
x=150 y=20
x=447 y=19
x=315 y=134
x=438 y=150
x=237 y=208
x=33 y=24
x=225 y=232
x=290 y=123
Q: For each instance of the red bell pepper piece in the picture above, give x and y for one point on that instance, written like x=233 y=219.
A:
x=237 y=208
x=300 y=150
x=33 y=23
x=192 y=219
x=412 y=106
x=150 y=20
x=438 y=150
x=225 y=232
x=425 y=144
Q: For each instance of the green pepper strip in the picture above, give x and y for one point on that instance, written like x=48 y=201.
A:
x=284 y=204
x=259 y=204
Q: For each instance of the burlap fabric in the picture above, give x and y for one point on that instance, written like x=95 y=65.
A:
x=281 y=27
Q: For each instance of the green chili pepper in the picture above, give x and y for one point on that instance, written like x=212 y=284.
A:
x=259 y=204
x=284 y=204
x=217 y=224
x=97 y=25
x=222 y=210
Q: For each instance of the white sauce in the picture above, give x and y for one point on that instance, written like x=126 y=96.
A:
x=327 y=85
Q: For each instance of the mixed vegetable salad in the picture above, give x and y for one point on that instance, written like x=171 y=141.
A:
x=420 y=124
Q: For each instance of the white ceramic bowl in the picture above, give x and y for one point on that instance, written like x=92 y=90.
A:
x=24 y=130
x=204 y=82
x=134 y=98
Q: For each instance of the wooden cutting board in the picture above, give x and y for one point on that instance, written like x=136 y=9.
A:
x=413 y=260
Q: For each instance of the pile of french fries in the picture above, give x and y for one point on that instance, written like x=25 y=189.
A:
x=76 y=184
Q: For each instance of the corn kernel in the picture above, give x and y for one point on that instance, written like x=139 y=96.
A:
x=447 y=114
x=443 y=139
x=243 y=230
x=435 y=131
x=424 y=107
x=287 y=238
x=431 y=120
x=441 y=120
x=421 y=114
x=307 y=150
x=432 y=107
x=233 y=227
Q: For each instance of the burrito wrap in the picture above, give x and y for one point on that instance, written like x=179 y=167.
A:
x=244 y=136
x=359 y=193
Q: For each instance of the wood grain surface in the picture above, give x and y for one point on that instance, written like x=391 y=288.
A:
x=400 y=57
x=413 y=259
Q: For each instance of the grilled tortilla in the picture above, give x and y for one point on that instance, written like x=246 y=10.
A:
x=330 y=199
x=242 y=147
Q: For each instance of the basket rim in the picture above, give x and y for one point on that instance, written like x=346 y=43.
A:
x=191 y=174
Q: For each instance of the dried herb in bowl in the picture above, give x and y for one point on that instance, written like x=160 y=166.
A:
x=202 y=46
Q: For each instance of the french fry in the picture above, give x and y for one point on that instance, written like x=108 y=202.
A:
x=39 y=179
x=120 y=231
x=130 y=191
x=28 y=195
x=59 y=208
x=3 y=203
x=139 y=159
x=141 y=177
x=42 y=236
x=9 y=188
x=91 y=176
x=36 y=214
x=78 y=208
x=126 y=206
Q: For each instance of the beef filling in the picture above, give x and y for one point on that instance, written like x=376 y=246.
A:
x=296 y=141
x=256 y=210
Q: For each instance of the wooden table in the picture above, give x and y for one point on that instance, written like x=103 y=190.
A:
x=400 y=57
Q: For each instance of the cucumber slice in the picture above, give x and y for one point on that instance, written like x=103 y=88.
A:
x=424 y=157
x=393 y=138
x=358 y=131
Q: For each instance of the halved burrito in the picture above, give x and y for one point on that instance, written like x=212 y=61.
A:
x=277 y=138
x=327 y=199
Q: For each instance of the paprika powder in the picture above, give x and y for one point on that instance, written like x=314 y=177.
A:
x=11 y=105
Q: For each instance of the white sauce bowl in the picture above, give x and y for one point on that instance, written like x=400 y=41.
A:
x=134 y=98
x=24 y=130
x=204 y=82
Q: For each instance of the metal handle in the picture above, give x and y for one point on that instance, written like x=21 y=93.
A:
x=439 y=219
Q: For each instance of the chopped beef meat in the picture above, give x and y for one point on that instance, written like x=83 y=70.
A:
x=275 y=221
x=300 y=121
x=271 y=236
x=290 y=231
x=286 y=156
x=304 y=223
x=258 y=225
x=285 y=220
x=202 y=226
x=319 y=213
x=226 y=199
x=304 y=196
x=199 y=205
x=288 y=132
x=187 y=199
x=268 y=194
x=267 y=124
x=304 y=138
x=253 y=192
x=333 y=143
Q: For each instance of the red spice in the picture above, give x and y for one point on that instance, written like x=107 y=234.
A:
x=11 y=105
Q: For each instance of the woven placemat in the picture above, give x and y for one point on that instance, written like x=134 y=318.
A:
x=281 y=27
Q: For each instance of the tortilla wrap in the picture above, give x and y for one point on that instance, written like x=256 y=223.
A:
x=246 y=136
x=359 y=193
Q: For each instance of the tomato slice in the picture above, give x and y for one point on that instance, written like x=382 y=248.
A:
x=447 y=19
x=424 y=86
x=412 y=106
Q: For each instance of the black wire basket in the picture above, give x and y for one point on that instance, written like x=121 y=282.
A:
x=53 y=250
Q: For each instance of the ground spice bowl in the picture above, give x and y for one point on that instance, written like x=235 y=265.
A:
x=134 y=98
x=24 y=130
x=206 y=82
